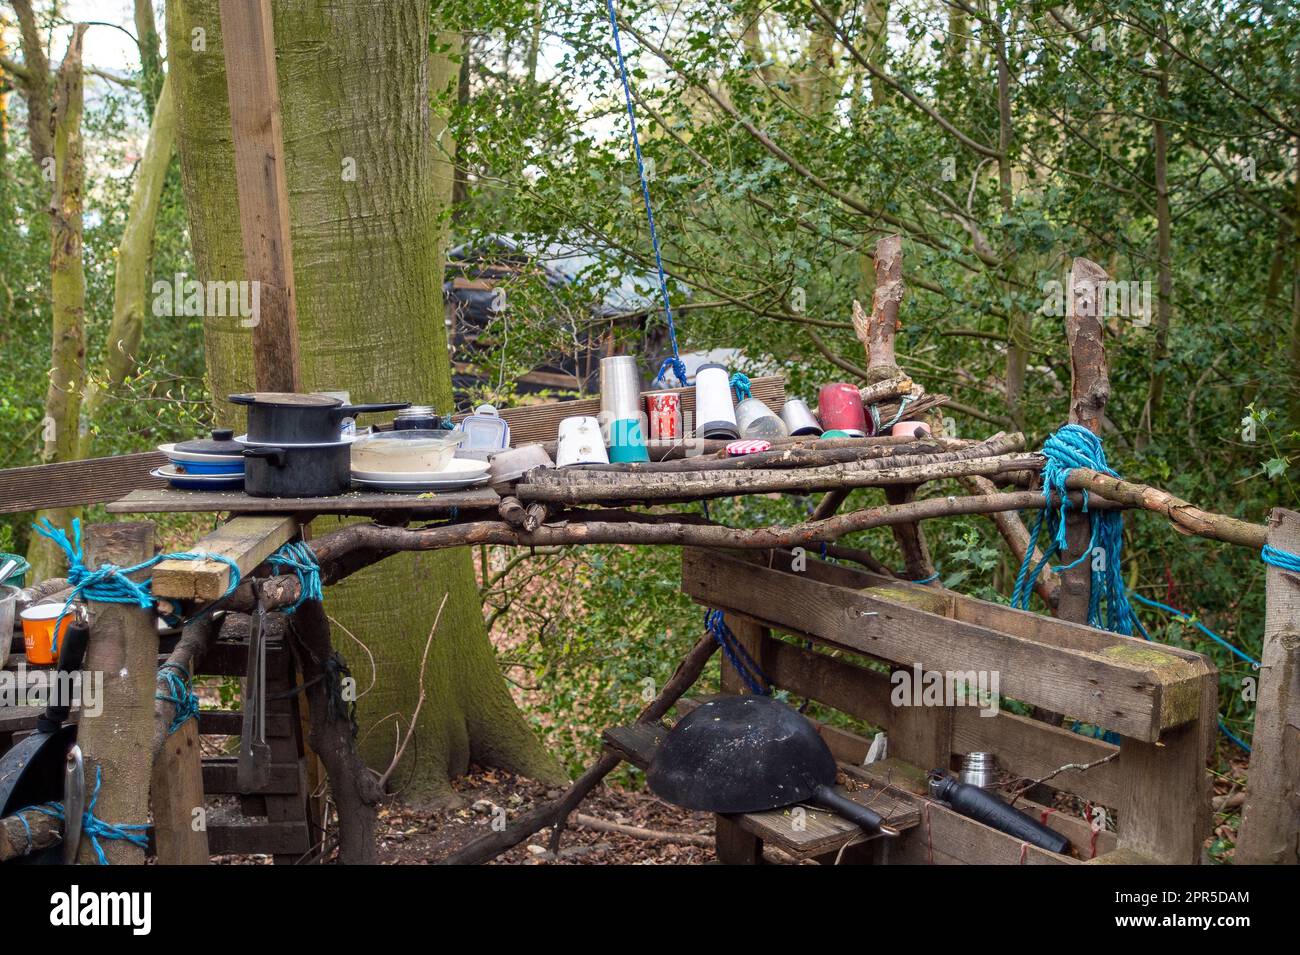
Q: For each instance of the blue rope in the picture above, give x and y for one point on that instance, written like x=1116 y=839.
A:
x=110 y=583
x=95 y=827
x=298 y=557
x=1074 y=446
x=1280 y=558
x=927 y=580
x=1182 y=615
x=182 y=694
x=737 y=655
x=675 y=362
x=1233 y=736
x=740 y=382
x=876 y=426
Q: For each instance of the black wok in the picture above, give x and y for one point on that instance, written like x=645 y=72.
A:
x=32 y=771
x=749 y=754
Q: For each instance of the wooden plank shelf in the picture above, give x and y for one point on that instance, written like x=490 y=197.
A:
x=169 y=500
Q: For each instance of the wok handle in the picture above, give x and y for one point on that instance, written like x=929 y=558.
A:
x=72 y=651
x=831 y=798
x=347 y=411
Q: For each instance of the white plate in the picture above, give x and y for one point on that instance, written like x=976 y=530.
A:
x=169 y=472
x=419 y=487
x=458 y=469
x=171 y=452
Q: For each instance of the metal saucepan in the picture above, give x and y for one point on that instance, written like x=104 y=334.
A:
x=281 y=418
x=321 y=470
x=33 y=770
x=750 y=754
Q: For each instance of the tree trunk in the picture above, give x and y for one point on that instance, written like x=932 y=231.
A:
x=131 y=286
x=369 y=172
x=62 y=421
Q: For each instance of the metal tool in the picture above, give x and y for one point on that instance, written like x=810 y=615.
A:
x=9 y=566
x=74 y=803
x=253 y=771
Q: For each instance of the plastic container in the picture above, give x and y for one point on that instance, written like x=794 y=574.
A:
x=38 y=632
x=840 y=409
x=8 y=604
x=407 y=452
x=911 y=429
x=485 y=430
x=626 y=443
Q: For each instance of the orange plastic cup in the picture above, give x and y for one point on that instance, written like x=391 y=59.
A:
x=38 y=632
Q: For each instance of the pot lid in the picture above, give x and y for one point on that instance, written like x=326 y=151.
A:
x=290 y=399
x=222 y=442
x=418 y=411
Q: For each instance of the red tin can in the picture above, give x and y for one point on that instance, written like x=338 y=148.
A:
x=840 y=407
x=664 y=410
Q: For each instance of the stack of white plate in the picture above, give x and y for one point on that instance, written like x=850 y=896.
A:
x=459 y=474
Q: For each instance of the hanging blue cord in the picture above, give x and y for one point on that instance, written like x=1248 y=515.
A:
x=1233 y=736
x=110 y=583
x=299 y=558
x=1187 y=617
x=736 y=654
x=1074 y=446
x=94 y=827
x=674 y=362
x=181 y=696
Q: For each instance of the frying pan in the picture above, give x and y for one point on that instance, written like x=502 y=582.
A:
x=749 y=754
x=32 y=771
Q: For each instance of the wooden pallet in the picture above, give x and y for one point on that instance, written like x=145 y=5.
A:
x=851 y=628
x=804 y=835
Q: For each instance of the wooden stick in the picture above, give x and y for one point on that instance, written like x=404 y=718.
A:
x=877 y=331
x=1047 y=585
x=1089 y=392
x=187 y=653
x=15 y=842
x=554 y=813
x=651 y=835
x=884 y=390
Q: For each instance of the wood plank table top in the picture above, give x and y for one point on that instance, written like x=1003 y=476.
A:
x=169 y=500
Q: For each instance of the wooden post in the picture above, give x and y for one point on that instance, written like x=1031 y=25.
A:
x=1270 y=820
x=179 y=839
x=260 y=180
x=876 y=332
x=1089 y=392
x=124 y=652
x=736 y=846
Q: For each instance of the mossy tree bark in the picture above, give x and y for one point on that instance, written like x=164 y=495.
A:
x=369 y=172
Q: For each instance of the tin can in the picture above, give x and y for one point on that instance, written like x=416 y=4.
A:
x=840 y=407
x=664 y=411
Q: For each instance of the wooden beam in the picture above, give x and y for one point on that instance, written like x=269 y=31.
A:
x=72 y=483
x=1270 y=820
x=736 y=844
x=1116 y=682
x=246 y=540
x=254 y=92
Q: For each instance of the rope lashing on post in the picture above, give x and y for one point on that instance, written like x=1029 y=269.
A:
x=674 y=361
x=874 y=411
x=1280 y=558
x=736 y=654
x=298 y=557
x=1074 y=446
x=112 y=584
x=180 y=694
x=95 y=828
x=740 y=383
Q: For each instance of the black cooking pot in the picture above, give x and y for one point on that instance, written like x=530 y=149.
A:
x=279 y=418
x=309 y=470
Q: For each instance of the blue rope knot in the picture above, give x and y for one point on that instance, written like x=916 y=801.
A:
x=676 y=366
x=744 y=664
x=95 y=828
x=1074 y=446
x=180 y=694
x=740 y=382
x=298 y=557
x=109 y=583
